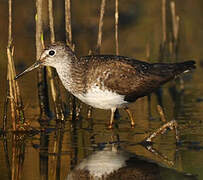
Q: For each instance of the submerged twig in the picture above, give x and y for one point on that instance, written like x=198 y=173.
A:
x=5 y=117
x=57 y=149
x=171 y=125
x=43 y=155
x=160 y=155
x=18 y=153
x=5 y=144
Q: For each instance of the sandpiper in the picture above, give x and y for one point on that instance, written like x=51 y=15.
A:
x=107 y=81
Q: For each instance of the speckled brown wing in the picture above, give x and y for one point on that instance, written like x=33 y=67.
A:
x=133 y=80
x=122 y=75
x=130 y=77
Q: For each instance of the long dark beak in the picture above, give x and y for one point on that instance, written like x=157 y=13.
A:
x=34 y=66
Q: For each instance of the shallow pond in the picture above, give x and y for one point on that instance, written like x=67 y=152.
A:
x=56 y=150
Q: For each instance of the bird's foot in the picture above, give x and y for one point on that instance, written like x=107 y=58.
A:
x=110 y=126
x=132 y=125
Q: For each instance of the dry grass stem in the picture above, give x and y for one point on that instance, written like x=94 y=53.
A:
x=9 y=22
x=51 y=20
x=13 y=94
x=9 y=72
x=39 y=31
x=175 y=27
x=99 y=41
x=68 y=23
x=116 y=26
x=175 y=21
x=54 y=84
x=148 y=50
x=101 y=22
x=55 y=91
x=164 y=21
x=70 y=43
x=161 y=113
x=41 y=75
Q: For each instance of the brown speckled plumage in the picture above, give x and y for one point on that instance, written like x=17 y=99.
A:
x=107 y=81
x=124 y=75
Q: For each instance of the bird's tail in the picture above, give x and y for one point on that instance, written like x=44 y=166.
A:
x=184 y=67
x=173 y=69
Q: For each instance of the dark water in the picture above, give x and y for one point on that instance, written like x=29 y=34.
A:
x=56 y=150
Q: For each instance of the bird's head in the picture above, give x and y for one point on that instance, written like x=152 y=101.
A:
x=54 y=55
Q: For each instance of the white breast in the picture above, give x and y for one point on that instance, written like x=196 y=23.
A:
x=102 y=99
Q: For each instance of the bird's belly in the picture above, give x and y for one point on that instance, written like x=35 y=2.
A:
x=102 y=99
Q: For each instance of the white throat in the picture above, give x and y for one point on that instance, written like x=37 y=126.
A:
x=64 y=74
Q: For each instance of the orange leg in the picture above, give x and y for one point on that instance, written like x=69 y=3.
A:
x=132 y=121
x=112 y=118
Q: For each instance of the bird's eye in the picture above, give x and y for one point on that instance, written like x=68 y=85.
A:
x=51 y=52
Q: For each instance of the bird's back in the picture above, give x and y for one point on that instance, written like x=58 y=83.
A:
x=130 y=77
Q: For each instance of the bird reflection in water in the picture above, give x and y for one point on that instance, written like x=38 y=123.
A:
x=114 y=163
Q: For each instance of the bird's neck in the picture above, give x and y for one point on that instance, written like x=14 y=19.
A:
x=71 y=74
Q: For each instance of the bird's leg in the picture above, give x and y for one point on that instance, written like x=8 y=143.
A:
x=132 y=121
x=89 y=112
x=112 y=118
